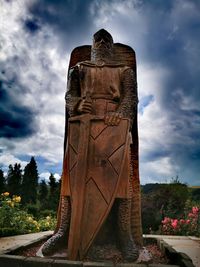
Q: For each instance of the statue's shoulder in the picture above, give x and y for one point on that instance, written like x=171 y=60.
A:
x=88 y=63
x=76 y=69
x=125 y=69
x=73 y=71
x=82 y=63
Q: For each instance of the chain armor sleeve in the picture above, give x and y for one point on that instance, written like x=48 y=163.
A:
x=129 y=99
x=72 y=96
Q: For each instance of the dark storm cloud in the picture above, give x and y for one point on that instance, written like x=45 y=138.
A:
x=16 y=120
x=31 y=25
x=173 y=39
x=156 y=155
x=71 y=20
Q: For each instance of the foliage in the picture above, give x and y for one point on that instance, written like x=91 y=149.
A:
x=36 y=210
x=195 y=194
x=43 y=195
x=45 y=213
x=176 y=196
x=2 y=182
x=33 y=209
x=162 y=200
x=188 y=225
x=151 y=216
x=14 y=220
x=47 y=223
x=54 y=193
x=14 y=179
x=30 y=182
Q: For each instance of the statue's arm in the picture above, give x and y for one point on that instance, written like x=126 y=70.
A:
x=129 y=99
x=72 y=96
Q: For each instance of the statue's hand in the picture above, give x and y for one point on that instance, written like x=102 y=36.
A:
x=113 y=118
x=85 y=106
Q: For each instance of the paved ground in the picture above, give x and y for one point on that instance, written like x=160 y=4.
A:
x=12 y=242
x=186 y=244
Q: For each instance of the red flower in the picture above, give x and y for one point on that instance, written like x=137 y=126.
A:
x=195 y=210
x=191 y=215
x=166 y=220
x=174 y=223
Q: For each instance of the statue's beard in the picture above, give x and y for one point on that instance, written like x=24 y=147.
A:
x=101 y=53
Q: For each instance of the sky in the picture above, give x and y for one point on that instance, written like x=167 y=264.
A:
x=36 y=39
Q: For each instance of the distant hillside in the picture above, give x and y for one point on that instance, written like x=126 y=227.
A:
x=195 y=192
x=149 y=188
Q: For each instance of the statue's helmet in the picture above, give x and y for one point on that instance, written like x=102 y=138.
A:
x=102 y=39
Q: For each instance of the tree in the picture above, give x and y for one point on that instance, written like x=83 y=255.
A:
x=43 y=194
x=30 y=182
x=52 y=184
x=2 y=182
x=14 y=179
x=54 y=192
x=176 y=196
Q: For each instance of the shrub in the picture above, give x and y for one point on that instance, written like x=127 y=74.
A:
x=189 y=225
x=160 y=201
x=45 y=213
x=32 y=209
x=14 y=220
x=47 y=223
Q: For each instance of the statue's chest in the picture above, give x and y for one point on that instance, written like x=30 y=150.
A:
x=100 y=80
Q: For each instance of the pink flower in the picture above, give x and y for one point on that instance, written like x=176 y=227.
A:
x=195 y=210
x=191 y=215
x=174 y=223
x=182 y=221
x=166 y=220
x=187 y=221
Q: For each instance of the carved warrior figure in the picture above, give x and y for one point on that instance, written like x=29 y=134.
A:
x=100 y=167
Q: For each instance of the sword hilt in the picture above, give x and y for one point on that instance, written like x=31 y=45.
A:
x=86 y=116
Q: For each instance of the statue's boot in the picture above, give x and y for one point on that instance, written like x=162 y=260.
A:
x=129 y=249
x=61 y=236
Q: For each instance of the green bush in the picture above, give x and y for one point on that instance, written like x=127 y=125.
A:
x=47 y=223
x=14 y=220
x=46 y=212
x=7 y=231
x=33 y=209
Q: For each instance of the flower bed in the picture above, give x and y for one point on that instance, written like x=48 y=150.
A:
x=15 y=220
x=190 y=225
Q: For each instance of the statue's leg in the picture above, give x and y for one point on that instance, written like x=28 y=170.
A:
x=136 y=224
x=129 y=249
x=52 y=244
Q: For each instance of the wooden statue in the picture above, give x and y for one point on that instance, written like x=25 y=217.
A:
x=100 y=167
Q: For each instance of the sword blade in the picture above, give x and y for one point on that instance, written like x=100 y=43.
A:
x=79 y=185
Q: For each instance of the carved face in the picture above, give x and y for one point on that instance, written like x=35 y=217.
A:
x=102 y=40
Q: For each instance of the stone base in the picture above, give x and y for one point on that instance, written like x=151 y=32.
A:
x=59 y=259
x=105 y=254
